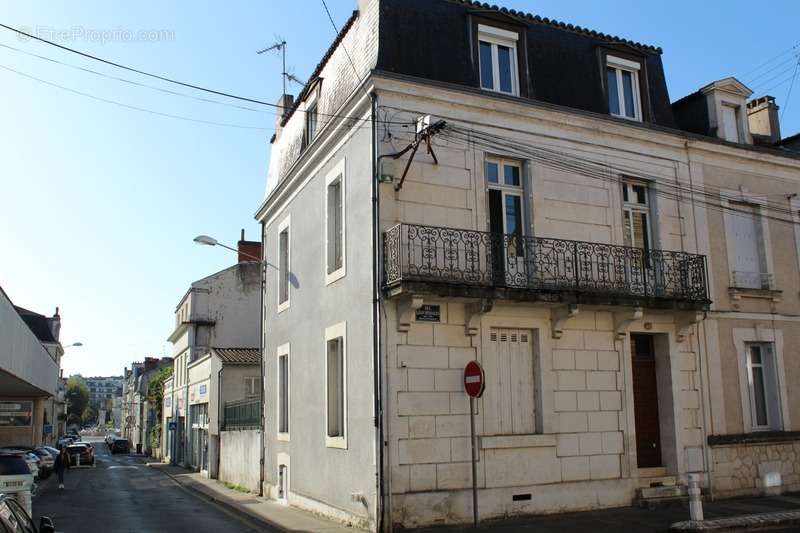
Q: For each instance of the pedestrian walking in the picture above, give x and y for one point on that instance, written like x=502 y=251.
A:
x=62 y=463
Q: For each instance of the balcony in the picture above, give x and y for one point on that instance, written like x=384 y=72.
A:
x=466 y=263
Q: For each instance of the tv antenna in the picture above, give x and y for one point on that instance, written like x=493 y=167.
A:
x=281 y=46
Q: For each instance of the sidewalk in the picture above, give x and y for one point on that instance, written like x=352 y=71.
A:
x=275 y=516
x=634 y=519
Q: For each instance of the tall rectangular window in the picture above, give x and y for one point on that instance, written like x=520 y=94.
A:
x=622 y=83
x=311 y=124
x=765 y=412
x=335 y=223
x=283 y=393
x=498 y=60
x=335 y=385
x=745 y=235
x=636 y=215
x=284 y=265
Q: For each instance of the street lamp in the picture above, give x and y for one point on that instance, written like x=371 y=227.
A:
x=205 y=240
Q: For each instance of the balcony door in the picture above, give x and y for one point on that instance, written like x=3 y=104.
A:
x=643 y=276
x=507 y=222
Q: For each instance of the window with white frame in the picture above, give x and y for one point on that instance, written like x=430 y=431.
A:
x=334 y=222
x=762 y=381
x=498 y=60
x=622 y=80
x=745 y=235
x=730 y=122
x=284 y=264
x=252 y=384
x=283 y=392
x=636 y=214
x=311 y=123
x=336 y=385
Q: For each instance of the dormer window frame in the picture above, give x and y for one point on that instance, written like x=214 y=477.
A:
x=497 y=32
x=310 y=114
x=621 y=65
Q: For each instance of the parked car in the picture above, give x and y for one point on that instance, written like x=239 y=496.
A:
x=15 y=475
x=47 y=461
x=111 y=437
x=65 y=441
x=121 y=446
x=30 y=458
x=15 y=519
x=82 y=453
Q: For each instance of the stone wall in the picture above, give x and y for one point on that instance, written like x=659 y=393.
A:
x=762 y=468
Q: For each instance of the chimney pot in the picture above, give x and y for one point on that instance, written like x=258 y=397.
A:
x=285 y=103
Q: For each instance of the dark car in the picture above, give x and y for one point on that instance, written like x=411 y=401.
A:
x=82 y=453
x=121 y=446
x=14 y=518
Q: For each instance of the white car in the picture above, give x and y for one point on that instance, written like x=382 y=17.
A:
x=16 y=478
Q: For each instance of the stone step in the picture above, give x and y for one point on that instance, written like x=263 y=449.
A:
x=661 y=496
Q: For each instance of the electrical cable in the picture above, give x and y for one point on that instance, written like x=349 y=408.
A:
x=166 y=79
x=592 y=169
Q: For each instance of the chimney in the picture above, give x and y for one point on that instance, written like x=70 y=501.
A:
x=284 y=103
x=762 y=114
x=362 y=6
x=249 y=251
x=150 y=363
x=55 y=325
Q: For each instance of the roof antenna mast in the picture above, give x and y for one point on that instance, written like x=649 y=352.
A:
x=285 y=75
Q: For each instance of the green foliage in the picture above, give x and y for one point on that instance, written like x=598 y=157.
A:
x=77 y=396
x=89 y=415
x=155 y=436
x=155 y=390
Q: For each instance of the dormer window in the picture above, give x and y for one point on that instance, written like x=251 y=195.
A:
x=622 y=78
x=498 y=60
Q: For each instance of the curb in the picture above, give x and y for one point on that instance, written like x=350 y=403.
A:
x=752 y=522
x=222 y=502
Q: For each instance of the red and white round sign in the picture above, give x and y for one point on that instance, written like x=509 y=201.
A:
x=474 y=381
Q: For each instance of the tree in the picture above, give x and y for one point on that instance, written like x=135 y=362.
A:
x=77 y=396
x=155 y=391
x=89 y=415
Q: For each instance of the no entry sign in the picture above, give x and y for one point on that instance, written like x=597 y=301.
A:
x=474 y=381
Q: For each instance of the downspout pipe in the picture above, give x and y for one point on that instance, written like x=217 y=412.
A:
x=219 y=417
x=262 y=344
x=376 y=284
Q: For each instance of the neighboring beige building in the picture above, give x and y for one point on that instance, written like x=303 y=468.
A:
x=216 y=349
x=525 y=196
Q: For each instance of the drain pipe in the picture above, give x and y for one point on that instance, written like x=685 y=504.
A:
x=376 y=301
x=262 y=330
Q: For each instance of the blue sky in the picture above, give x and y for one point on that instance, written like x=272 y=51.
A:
x=100 y=202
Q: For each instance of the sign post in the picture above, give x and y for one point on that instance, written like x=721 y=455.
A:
x=474 y=384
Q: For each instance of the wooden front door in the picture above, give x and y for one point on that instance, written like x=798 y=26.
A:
x=645 y=401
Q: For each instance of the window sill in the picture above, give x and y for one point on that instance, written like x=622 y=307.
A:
x=336 y=442
x=737 y=293
x=624 y=117
x=756 y=437
x=495 y=442
x=284 y=306
x=335 y=276
x=283 y=437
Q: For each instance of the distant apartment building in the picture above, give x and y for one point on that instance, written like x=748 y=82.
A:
x=103 y=390
x=30 y=356
x=459 y=182
x=216 y=352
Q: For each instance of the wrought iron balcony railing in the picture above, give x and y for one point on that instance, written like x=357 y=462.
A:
x=428 y=254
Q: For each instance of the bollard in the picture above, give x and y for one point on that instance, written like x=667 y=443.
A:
x=695 y=503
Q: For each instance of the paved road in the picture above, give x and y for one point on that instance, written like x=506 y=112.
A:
x=121 y=494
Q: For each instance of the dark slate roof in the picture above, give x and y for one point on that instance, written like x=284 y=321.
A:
x=318 y=70
x=562 y=64
x=238 y=356
x=529 y=17
x=39 y=324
